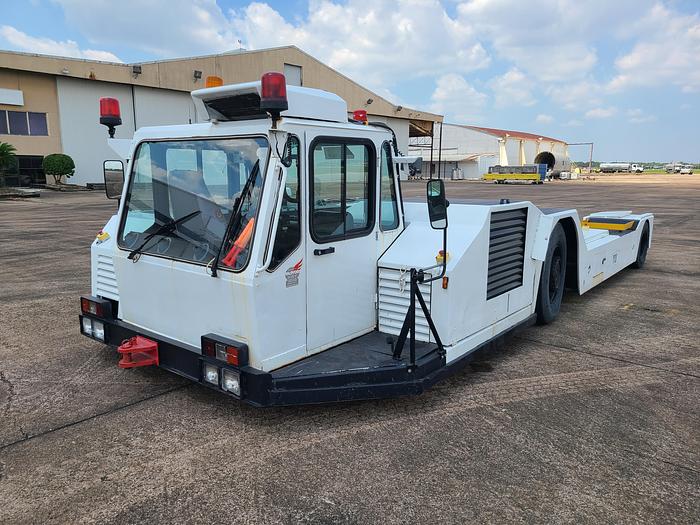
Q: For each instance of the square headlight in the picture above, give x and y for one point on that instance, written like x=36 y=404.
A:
x=231 y=382
x=87 y=326
x=211 y=374
x=98 y=330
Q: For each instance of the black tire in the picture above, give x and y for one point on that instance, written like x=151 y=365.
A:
x=643 y=248
x=553 y=278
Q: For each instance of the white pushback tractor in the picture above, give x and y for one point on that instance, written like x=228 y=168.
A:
x=268 y=254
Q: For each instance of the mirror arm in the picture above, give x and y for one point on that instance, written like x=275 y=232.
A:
x=443 y=266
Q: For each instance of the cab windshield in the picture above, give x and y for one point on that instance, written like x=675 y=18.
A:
x=207 y=179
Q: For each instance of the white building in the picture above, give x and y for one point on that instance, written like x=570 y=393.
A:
x=474 y=149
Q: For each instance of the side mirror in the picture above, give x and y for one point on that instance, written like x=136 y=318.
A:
x=114 y=178
x=437 y=204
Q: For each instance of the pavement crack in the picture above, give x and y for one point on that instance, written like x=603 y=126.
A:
x=29 y=437
x=10 y=392
x=654 y=458
x=619 y=359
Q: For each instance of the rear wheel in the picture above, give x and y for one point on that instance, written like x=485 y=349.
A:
x=643 y=247
x=553 y=278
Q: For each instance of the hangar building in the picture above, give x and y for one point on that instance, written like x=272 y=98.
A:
x=50 y=104
x=474 y=149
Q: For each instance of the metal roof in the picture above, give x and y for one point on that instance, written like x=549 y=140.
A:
x=503 y=133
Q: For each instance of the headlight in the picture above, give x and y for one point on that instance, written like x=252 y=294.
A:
x=87 y=326
x=98 y=330
x=211 y=374
x=231 y=382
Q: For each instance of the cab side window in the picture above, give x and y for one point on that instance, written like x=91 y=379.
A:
x=342 y=189
x=388 y=206
x=288 y=234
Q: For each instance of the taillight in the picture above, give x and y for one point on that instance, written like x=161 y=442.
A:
x=226 y=350
x=91 y=307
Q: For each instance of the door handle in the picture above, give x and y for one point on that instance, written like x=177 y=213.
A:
x=324 y=251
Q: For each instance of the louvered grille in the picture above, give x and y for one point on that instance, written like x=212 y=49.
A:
x=394 y=300
x=506 y=251
x=106 y=279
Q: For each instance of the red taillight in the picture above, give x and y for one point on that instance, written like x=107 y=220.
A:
x=90 y=307
x=232 y=355
x=208 y=348
x=228 y=351
x=273 y=97
x=109 y=107
x=360 y=115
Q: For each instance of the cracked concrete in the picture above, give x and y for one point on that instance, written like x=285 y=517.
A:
x=592 y=419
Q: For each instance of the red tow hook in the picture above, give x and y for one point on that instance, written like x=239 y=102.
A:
x=138 y=351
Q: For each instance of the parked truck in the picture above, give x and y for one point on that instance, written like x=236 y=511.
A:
x=616 y=167
x=268 y=254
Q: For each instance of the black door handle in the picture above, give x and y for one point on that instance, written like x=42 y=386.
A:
x=325 y=251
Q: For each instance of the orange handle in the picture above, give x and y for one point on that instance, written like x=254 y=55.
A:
x=240 y=243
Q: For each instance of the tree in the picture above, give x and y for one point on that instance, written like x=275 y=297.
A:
x=58 y=165
x=8 y=159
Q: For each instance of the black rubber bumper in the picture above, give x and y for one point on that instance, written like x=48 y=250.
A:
x=261 y=388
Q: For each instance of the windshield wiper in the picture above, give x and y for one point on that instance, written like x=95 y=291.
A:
x=168 y=227
x=235 y=216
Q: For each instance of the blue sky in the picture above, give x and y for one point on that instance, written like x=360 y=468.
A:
x=624 y=74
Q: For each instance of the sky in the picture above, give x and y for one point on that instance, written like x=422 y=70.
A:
x=624 y=74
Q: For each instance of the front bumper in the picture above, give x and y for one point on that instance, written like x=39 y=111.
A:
x=356 y=370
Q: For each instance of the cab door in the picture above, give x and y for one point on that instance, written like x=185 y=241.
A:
x=342 y=245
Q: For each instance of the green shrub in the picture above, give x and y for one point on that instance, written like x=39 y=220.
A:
x=8 y=160
x=58 y=165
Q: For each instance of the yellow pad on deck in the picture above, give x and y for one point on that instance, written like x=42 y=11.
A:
x=604 y=223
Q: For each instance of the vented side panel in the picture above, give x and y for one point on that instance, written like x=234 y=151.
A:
x=106 y=282
x=506 y=251
x=394 y=300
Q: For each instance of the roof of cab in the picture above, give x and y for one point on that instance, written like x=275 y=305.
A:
x=303 y=102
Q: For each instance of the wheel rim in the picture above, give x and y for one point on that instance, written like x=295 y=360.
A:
x=555 y=272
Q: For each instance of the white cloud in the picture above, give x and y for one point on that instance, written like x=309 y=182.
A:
x=548 y=39
x=512 y=89
x=20 y=41
x=458 y=100
x=638 y=116
x=377 y=43
x=164 y=28
x=667 y=52
x=371 y=42
x=601 y=113
x=575 y=96
x=544 y=119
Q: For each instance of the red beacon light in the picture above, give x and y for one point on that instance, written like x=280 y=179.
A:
x=360 y=115
x=273 y=97
x=110 y=115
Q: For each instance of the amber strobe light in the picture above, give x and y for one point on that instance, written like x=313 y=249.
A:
x=213 y=81
x=273 y=96
x=110 y=115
